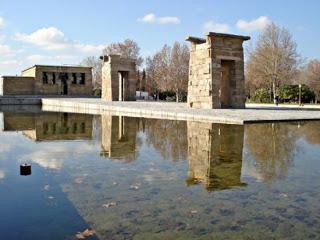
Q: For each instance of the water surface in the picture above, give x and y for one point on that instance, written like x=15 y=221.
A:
x=131 y=178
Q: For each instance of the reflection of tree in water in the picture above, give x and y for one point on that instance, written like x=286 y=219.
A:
x=96 y=128
x=168 y=137
x=273 y=146
x=310 y=131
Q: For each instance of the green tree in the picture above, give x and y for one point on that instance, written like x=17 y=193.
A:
x=290 y=93
x=260 y=96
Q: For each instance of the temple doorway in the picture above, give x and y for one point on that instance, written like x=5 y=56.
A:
x=225 y=84
x=123 y=82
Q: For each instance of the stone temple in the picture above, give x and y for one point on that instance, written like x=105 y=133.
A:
x=119 y=78
x=216 y=71
x=49 y=80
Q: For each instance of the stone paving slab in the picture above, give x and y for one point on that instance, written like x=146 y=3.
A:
x=180 y=111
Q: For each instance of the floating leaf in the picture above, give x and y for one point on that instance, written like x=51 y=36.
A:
x=109 y=205
x=86 y=233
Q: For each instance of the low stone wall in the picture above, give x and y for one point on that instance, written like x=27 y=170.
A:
x=12 y=85
x=20 y=101
x=176 y=111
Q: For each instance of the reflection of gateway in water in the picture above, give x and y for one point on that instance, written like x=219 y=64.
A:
x=50 y=126
x=119 y=137
x=215 y=155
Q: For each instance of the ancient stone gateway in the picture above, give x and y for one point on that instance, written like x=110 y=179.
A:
x=119 y=78
x=216 y=74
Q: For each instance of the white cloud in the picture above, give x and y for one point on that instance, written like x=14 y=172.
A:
x=2 y=174
x=149 y=18
x=212 y=26
x=48 y=38
x=2 y=23
x=36 y=58
x=52 y=38
x=5 y=50
x=152 y=18
x=45 y=158
x=5 y=147
x=9 y=62
x=57 y=157
x=253 y=25
x=169 y=20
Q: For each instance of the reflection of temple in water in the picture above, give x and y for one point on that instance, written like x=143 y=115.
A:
x=215 y=154
x=49 y=126
x=119 y=137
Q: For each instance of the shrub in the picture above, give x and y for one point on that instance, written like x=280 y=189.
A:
x=290 y=93
x=260 y=96
x=97 y=92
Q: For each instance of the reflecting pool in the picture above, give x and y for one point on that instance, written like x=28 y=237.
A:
x=115 y=177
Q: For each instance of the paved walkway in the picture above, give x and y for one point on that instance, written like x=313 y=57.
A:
x=180 y=111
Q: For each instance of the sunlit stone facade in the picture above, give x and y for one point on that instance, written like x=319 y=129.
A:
x=49 y=80
x=216 y=71
x=119 y=78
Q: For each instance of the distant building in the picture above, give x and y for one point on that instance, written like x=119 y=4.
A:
x=49 y=80
x=141 y=95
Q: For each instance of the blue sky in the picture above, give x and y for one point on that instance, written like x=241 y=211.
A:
x=64 y=32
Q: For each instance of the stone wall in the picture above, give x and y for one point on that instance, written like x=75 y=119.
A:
x=1 y=86
x=13 y=85
x=113 y=65
x=215 y=154
x=72 y=74
x=216 y=72
x=49 y=80
x=200 y=78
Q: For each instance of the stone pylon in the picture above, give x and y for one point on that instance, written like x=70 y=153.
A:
x=216 y=72
x=119 y=77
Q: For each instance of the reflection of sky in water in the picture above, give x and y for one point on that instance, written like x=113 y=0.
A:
x=156 y=179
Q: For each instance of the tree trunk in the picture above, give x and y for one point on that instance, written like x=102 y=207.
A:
x=271 y=94
x=274 y=89
x=177 y=96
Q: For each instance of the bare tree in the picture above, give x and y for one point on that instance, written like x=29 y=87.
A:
x=274 y=59
x=179 y=69
x=167 y=70
x=310 y=75
x=96 y=65
x=141 y=80
x=157 y=69
x=128 y=49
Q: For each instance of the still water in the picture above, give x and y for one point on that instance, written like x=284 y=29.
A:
x=111 y=177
